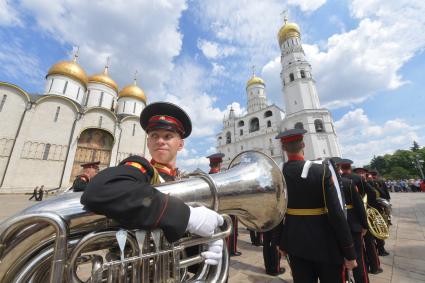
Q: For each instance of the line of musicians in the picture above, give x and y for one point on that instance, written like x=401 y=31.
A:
x=325 y=234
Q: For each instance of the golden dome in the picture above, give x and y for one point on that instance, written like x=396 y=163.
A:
x=133 y=91
x=70 y=69
x=105 y=79
x=255 y=80
x=288 y=30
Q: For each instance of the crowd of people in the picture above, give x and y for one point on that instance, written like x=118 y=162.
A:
x=406 y=185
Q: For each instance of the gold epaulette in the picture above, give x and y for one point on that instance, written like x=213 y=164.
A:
x=306 y=211
x=349 y=206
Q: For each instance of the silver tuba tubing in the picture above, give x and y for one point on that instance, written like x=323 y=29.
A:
x=46 y=242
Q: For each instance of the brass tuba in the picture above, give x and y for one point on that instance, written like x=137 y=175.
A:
x=377 y=225
x=59 y=241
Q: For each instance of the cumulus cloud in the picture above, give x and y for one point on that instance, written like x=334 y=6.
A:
x=361 y=138
x=8 y=14
x=214 y=50
x=137 y=35
x=307 y=6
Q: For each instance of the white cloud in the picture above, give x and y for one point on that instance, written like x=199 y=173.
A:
x=8 y=15
x=138 y=35
x=307 y=6
x=361 y=138
x=192 y=163
x=214 y=50
x=271 y=75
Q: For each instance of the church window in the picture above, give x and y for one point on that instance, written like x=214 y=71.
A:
x=65 y=86
x=101 y=98
x=302 y=74
x=134 y=129
x=58 y=109
x=269 y=124
x=318 y=124
x=258 y=92
x=241 y=132
x=299 y=125
x=46 y=151
x=241 y=123
x=291 y=77
x=241 y=147
x=78 y=93
x=228 y=137
x=254 y=125
x=123 y=109
x=3 y=101
x=100 y=121
x=51 y=84
x=268 y=113
x=271 y=152
x=134 y=108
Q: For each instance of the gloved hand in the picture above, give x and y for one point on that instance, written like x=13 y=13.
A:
x=214 y=253
x=203 y=221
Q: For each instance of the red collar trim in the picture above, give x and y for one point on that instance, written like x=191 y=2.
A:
x=164 y=168
x=295 y=157
x=214 y=170
x=154 y=120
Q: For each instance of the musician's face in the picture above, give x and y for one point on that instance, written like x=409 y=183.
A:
x=163 y=146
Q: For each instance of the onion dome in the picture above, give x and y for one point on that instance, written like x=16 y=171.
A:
x=288 y=30
x=133 y=91
x=69 y=69
x=255 y=80
x=104 y=79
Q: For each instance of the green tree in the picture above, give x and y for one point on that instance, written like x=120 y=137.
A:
x=415 y=147
x=398 y=173
x=379 y=163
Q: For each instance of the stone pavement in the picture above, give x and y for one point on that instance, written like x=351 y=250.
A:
x=405 y=264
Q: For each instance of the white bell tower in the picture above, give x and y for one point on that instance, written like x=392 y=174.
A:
x=301 y=99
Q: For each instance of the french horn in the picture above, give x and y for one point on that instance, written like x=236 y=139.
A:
x=59 y=241
x=378 y=227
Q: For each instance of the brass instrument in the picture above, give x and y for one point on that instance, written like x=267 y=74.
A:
x=59 y=241
x=378 y=227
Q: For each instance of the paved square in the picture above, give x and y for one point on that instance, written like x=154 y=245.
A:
x=405 y=264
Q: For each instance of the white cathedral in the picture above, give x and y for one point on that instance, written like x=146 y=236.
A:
x=44 y=138
x=258 y=128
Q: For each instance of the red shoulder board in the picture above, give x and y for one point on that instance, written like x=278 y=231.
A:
x=137 y=165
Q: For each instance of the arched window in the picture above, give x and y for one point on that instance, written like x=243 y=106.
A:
x=318 y=124
x=254 y=125
x=268 y=113
x=241 y=132
x=228 y=137
x=299 y=125
x=241 y=124
x=269 y=124
x=302 y=74
x=291 y=77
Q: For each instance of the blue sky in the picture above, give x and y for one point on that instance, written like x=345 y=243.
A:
x=367 y=58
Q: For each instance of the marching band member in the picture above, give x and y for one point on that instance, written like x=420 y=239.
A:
x=232 y=241
x=357 y=220
x=126 y=193
x=315 y=235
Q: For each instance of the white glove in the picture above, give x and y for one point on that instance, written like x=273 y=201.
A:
x=214 y=253
x=203 y=221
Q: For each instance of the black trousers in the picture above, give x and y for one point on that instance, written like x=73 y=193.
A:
x=306 y=271
x=371 y=253
x=232 y=240
x=360 y=272
x=256 y=237
x=380 y=245
x=270 y=253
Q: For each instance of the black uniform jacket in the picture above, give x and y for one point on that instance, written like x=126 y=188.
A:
x=80 y=184
x=124 y=194
x=356 y=216
x=323 y=238
x=364 y=188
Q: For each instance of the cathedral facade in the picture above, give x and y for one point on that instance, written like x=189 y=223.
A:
x=302 y=110
x=44 y=138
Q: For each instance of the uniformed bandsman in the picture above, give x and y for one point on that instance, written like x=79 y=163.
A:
x=357 y=220
x=315 y=235
x=126 y=193
x=89 y=171
x=216 y=160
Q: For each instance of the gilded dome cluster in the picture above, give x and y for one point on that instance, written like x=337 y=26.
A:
x=73 y=70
